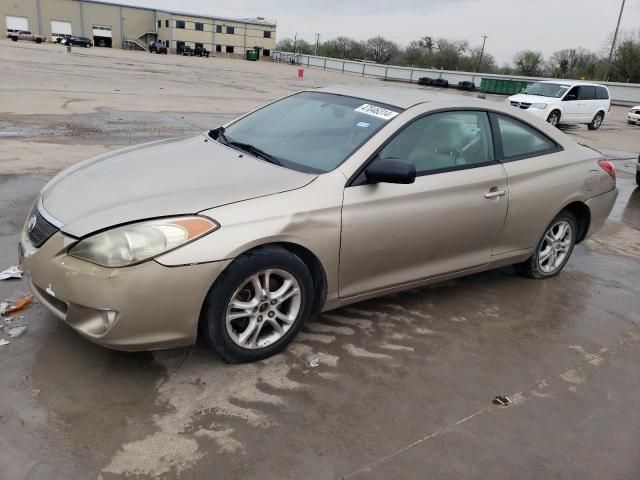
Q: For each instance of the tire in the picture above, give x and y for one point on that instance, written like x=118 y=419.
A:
x=87 y=45
x=554 y=118
x=38 y=40
x=638 y=178
x=14 y=39
x=596 y=122
x=533 y=267
x=226 y=336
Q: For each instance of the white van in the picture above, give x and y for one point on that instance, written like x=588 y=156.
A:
x=566 y=102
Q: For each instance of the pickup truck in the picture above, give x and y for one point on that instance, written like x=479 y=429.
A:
x=16 y=35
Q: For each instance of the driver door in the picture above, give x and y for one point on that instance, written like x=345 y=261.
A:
x=572 y=110
x=447 y=221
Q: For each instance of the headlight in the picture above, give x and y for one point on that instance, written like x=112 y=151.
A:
x=541 y=106
x=138 y=242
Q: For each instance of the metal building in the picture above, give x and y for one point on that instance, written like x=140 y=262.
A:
x=125 y=26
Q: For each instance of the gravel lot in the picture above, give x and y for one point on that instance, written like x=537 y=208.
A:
x=399 y=387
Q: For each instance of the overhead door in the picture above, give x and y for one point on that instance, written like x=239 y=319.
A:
x=17 y=23
x=102 y=36
x=60 y=28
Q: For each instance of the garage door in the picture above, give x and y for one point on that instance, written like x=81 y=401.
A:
x=101 y=31
x=17 y=23
x=60 y=28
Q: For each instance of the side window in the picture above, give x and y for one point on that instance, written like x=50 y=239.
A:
x=442 y=141
x=572 y=95
x=587 y=93
x=518 y=139
x=602 y=93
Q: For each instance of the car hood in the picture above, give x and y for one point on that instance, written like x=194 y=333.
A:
x=521 y=97
x=170 y=177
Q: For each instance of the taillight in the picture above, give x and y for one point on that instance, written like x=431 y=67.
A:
x=608 y=167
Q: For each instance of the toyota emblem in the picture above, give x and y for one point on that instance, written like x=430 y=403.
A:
x=32 y=223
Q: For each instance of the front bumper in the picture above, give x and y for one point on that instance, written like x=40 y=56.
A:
x=632 y=117
x=143 y=307
x=600 y=207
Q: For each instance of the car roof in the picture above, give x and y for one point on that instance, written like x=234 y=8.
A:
x=572 y=83
x=398 y=97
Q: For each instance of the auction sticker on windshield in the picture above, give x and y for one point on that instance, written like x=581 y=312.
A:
x=379 y=112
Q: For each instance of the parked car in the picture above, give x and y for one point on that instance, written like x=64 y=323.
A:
x=16 y=35
x=319 y=200
x=58 y=38
x=560 y=102
x=157 y=47
x=467 y=86
x=425 y=81
x=440 y=83
x=79 y=41
x=201 y=52
x=633 y=117
x=187 y=51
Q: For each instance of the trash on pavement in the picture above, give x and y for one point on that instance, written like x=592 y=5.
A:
x=4 y=342
x=24 y=302
x=11 y=272
x=314 y=362
x=17 y=331
x=503 y=401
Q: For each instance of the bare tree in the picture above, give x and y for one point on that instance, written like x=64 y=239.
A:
x=529 y=63
x=381 y=50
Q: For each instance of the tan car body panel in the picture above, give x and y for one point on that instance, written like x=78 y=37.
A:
x=394 y=237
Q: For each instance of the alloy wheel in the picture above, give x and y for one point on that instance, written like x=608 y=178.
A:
x=555 y=247
x=263 y=309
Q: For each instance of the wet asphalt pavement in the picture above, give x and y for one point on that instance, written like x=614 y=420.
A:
x=403 y=388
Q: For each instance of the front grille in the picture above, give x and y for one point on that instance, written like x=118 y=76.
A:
x=39 y=229
x=521 y=105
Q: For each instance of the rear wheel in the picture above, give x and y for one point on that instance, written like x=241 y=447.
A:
x=38 y=40
x=257 y=306
x=553 y=250
x=596 y=122
x=15 y=39
x=554 y=118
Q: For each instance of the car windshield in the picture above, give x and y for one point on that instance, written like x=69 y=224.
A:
x=546 y=89
x=310 y=131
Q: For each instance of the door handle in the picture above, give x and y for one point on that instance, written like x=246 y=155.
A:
x=495 y=194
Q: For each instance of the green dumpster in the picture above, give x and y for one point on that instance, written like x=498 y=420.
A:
x=502 y=86
x=252 y=55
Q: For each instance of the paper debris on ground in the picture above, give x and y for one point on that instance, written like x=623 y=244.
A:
x=314 y=362
x=11 y=272
x=4 y=308
x=4 y=342
x=17 y=331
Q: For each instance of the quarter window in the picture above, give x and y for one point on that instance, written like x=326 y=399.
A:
x=520 y=140
x=587 y=93
x=602 y=93
x=444 y=141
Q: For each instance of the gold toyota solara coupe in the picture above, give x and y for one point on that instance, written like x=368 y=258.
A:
x=318 y=200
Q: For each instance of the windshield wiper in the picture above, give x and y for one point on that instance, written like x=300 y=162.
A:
x=254 y=151
x=218 y=134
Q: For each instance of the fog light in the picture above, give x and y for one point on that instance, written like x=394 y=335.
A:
x=108 y=319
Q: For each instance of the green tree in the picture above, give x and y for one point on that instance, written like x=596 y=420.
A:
x=626 y=62
x=529 y=63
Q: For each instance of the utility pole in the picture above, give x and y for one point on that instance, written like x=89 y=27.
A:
x=484 y=42
x=317 y=43
x=613 y=44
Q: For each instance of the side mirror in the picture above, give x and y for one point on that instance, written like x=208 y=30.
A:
x=570 y=98
x=391 y=170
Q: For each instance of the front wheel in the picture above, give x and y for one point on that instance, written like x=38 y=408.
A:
x=38 y=40
x=553 y=250
x=554 y=118
x=596 y=122
x=15 y=39
x=257 y=306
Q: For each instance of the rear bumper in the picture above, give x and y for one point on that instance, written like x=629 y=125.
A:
x=600 y=207
x=143 y=307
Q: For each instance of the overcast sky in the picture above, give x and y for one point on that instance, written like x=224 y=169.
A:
x=512 y=25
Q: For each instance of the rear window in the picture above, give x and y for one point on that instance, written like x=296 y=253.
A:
x=587 y=93
x=602 y=93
